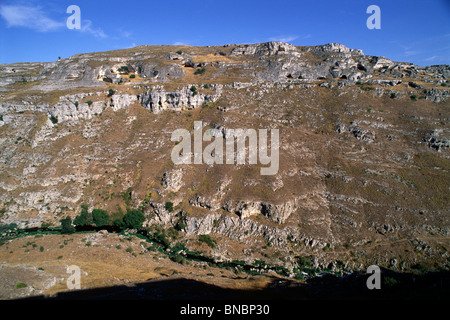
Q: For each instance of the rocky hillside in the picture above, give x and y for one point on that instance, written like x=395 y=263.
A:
x=364 y=150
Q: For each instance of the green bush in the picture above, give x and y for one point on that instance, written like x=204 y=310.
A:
x=100 y=217
x=21 y=285
x=181 y=223
x=390 y=282
x=66 y=226
x=194 y=90
x=179 y=52
x=178 y=259
x=207 y=239
x=111 y=92
x=132 y=76
x=161 y=238
x=393 y=95
x=413 y=97
x=200 y=71
x=9 y=226
x=89 y=102
x=169 y=206
x=53 y=119
x=123 y=70
x=84 y=218
x=126 y=196
x=133 y=219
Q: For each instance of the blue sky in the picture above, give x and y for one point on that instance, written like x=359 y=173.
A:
x=411 y=31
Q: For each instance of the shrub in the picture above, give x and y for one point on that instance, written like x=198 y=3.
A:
x=161 y=237
x=181 y=223
x=132 y=76
x=118 y=223
x=100 y=217
x=200 y=71
x=413 y=97
x=111 y=92
x=304 y=262
x=76 y=104
x=84 y=218
x=21 y=285
x=207 y=239
x=169 y=206
x=178 y=259
x=133 y=219
x=179 y=52
x=66 y=226
x=9 y=226
x=89 y=102
x=123 y=70
x=390 y=282
x=194 y=90
x=126 y=196
x=53 y=119
x=206 y=86
x=393 y=95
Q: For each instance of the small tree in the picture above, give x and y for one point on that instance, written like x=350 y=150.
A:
x=66 y=224
x=100 y=217
x=133 y=219
x=111 y=92
x=194 y=90
x=200 y=71
x=84 y=218
x=207 y=239
x=89 y=102
x=169 y=206
x=53 y=119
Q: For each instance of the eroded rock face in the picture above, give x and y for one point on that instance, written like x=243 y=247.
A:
x=278 y=213
x=263 y=49
x=157 y=99
x=437 y=141
x=173 y=180
x=75 y=107
x=83 y=106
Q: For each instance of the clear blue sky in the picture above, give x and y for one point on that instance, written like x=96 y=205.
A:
x=411 y=31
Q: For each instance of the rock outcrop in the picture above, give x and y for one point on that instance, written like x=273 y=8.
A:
x=157 y=99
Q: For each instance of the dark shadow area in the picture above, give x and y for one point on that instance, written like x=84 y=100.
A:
x=431 y=286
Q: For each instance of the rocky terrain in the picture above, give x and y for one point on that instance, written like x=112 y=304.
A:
x=363 y=167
